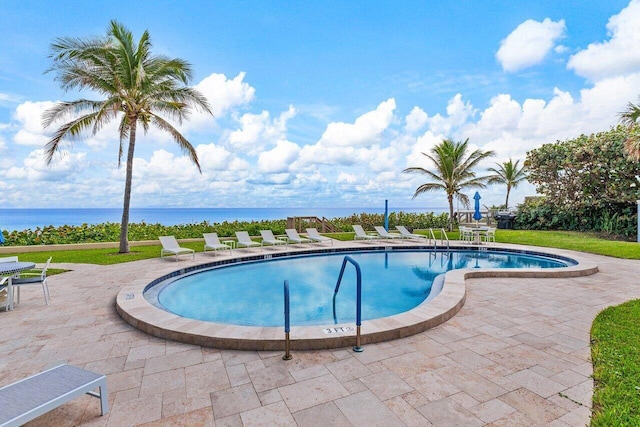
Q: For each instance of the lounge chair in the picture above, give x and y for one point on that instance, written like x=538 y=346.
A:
x=269 y=239
x=384 y=234
x=409 y=235
x=38 y=394
x=212 y=243
x=244 y=241
x=40 y=278
x=361 y=235
x=313 y=234
x=490 y=235
x=5 y=293
x=170 y=246
x=294 y=237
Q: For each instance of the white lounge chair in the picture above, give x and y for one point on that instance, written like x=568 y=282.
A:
x=5 y=293
x=212 y=243
x=361 y=235
x=40 y=278
x=269 y=239
x=294 y=237
x=38 y=394
x=170 y=246
x=244 y=241
x=313 y=234
x=384 y=234
x=409 y=235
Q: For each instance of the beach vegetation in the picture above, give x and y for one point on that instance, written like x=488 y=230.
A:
x=140 y=89
x=452 y=172
x=586 y=184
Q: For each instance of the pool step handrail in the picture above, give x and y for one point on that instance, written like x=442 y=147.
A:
x=358 y=348
x=287 y=343
x=444 y=237
x=432 y=236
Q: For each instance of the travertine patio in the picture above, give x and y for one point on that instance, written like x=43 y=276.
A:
x=516 y=354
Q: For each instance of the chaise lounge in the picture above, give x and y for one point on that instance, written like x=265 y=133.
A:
x=212 y=243
x=361 y=235
x=269 y=239
x=170 y=246
x=294 y=237
x=244 y=241
x=313 y=234
x=384 y=234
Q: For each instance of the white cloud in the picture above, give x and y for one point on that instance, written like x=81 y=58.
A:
x=64 y=167
x=415 y=120
x=347 y=178
x=224 y=95
x=279 y=158
x=617 y=56
x=529 y=44
x=258 y=131
x=29 y=118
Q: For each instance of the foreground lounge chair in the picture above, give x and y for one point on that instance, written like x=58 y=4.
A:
x=40 y=278
x=294 y=237
x=386 y=235
x=212 y=243
x=361 y=235
x=269 y=239
x=409 y=235
x=36 y=395
x=170 y=246
x=313 y=234
x=244 y=241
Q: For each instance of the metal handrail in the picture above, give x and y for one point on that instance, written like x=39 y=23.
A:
x=432 y=236
x=357 y=348
x=287 y=344
x=443 y=237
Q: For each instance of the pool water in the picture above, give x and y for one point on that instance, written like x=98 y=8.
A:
x=252 y=293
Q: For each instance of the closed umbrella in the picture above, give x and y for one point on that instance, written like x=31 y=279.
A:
x=476 y=214
x=1 y=238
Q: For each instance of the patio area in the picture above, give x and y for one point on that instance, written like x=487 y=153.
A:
x=517 y=354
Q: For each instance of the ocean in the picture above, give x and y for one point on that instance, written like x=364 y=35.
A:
x=23 y=219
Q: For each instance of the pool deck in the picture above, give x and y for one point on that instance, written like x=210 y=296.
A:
x=516 y=354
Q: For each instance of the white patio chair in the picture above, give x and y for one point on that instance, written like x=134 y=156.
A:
x=244 y=241
x=313 y=234
x=212 y=243
x=269 y=239
x=384 y=234
x=294 y=237
x=170 y=246
x=40 y=278
x=361 y=235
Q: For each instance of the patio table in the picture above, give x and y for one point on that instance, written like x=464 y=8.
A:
x=11 y=268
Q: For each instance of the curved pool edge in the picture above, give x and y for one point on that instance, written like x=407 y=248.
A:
x=139 y=313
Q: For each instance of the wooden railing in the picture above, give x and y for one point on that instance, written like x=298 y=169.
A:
x=300 y=223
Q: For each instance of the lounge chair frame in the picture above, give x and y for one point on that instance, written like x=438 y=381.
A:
x=212 y=243
x=362 y=235
x=38 y=394
x=244 y=240
x=313 y=234
x=171 y=246
x=294 y=237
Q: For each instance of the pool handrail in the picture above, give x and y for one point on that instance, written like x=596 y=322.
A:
x=357 y=348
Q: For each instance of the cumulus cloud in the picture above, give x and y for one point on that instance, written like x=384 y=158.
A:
x=258 y=131
x=415 y=120
x=618 y=55
x=34 y=168
x=279 y=158
x=29 y=118
x=529 y=44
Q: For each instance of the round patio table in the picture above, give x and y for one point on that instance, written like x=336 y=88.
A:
x=11 y=268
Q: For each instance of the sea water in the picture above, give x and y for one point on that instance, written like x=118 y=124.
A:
x=23 y=219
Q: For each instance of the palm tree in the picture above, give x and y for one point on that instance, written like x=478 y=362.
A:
x=453 y=171
x=138 y=87
x=508 y=173
x=630 y=118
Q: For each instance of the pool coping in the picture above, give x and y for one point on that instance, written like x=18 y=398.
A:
x=132 y=306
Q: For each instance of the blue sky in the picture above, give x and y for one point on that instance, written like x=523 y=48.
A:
x=321 y=103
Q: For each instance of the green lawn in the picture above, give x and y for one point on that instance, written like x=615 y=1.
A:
x=615 y=350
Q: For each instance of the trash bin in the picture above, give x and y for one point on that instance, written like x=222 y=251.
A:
x=505 y=220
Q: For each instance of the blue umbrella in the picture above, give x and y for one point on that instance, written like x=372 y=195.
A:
x=1 y=238
x=476 y=214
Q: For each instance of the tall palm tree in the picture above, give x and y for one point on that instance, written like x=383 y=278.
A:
x=453 y=171
x=139 y=87
x=630 y=117
x=508 y=173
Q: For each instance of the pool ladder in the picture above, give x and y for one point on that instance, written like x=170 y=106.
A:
x=347 y=258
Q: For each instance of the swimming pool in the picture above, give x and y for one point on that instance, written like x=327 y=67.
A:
x=250 y=293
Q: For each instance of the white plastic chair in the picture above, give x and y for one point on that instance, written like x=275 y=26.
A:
x=244 y=241
x=313 y=234
x=384 y=234
x=212 y=242
x=269 y=239
x=361 y=235
x=170 y=246
x=490 y=235
x=40 y=278
x=294 y=237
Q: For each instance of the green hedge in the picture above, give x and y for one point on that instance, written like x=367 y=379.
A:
x=110 y=232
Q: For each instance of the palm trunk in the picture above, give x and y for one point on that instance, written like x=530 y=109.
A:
x=506 y=202
x=124 y=225
x=450 y=197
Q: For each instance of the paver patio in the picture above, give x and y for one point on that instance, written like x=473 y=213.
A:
x=517 y=354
